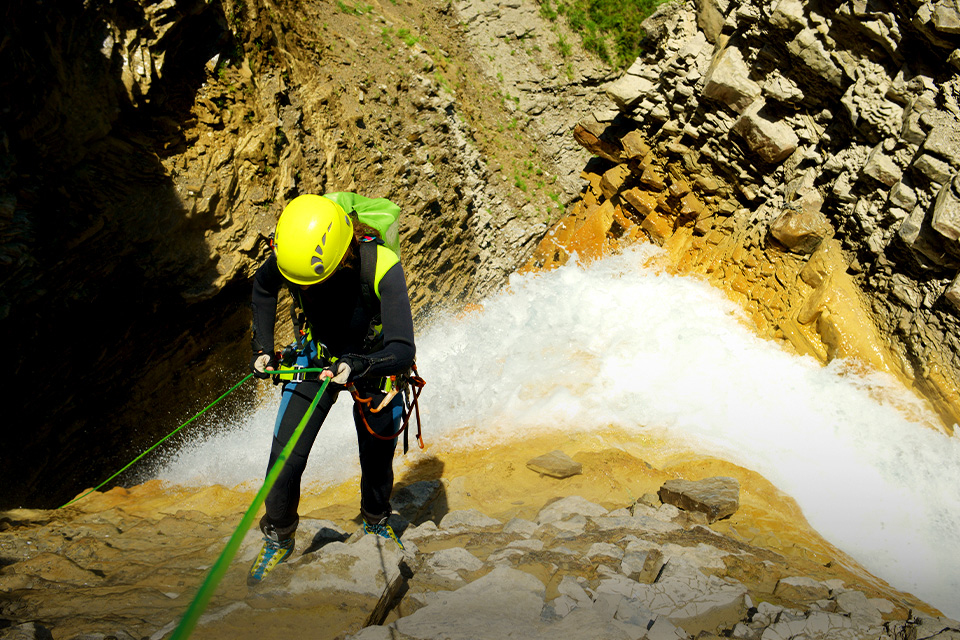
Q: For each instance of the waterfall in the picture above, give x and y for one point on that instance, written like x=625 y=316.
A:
x=620 y=343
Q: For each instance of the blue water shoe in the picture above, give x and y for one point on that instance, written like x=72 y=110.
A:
x=383 y=530
x=271 y=554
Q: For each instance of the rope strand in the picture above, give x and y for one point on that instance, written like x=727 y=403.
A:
x=162 y=440
x=200 y=601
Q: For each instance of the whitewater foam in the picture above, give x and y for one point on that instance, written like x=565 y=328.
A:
x=621 y=343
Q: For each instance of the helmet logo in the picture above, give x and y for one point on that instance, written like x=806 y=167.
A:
x=317 y=260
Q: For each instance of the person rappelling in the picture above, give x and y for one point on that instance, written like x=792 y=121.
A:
x=353 y=326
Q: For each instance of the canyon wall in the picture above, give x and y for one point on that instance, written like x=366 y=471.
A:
x=800 y=154
x=148 y=148
x=804 y=156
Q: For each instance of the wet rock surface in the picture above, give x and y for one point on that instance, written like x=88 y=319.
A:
x=127 y=565
x=716 y=498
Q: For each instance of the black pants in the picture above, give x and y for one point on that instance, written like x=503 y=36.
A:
x=376 y=455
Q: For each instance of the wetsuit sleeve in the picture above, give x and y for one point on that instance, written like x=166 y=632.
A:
x=266 y=288
x=398 y=346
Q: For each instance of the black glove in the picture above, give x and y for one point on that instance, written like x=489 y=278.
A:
x=347 y=369
x=260 y=362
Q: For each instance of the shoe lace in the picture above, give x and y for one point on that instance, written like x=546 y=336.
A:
x=379 y=529
x=278 y=545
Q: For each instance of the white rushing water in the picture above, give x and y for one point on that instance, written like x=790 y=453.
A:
x=619 y=343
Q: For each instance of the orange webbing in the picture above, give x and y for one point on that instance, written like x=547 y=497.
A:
x=417 y=383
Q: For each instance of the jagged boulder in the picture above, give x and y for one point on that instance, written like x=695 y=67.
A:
x=772 y=140
x=729 y=81
x=946 y=212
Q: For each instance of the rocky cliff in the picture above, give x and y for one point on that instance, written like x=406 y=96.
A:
x=805 y=157
x=148 y=148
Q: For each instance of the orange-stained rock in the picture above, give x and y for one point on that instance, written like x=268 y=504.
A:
x=591 y=197
x=469 y=309
x=658 y=226
x=626 y=224
x=690 y=205
x=551 y=252
x=592 y=178
x=590 y=240
x=634 y=145
x=801 y=231
x=678 y=188
x=613 y=179
x=652 y=178
x=643 y=201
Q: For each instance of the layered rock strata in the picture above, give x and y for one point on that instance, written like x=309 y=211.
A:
x=805 y=156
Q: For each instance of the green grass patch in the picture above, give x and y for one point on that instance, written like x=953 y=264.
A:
x=563 y=47
x=386 y=36
x=407 y=37
x=352 y=10
x=608 y=28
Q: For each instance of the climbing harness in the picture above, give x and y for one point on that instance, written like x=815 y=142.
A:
x=376 y=258
x=292 y=368
x=410 y=385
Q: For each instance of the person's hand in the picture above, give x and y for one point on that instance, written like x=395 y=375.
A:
x=338 y=372
x=262 y=364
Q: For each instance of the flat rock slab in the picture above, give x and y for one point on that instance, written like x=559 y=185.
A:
x=569 y=507
x=506 y=603
x=555 y=464
x=717 y=497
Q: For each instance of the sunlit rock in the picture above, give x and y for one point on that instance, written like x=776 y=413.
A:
x=729 y=81
x=629 y=90
x=802 y=588
x=555 y=464
x=801 y=230
x=567 y=507
x=808 y=48
x=882 y=167
x=946 y=210
x=501 y=603
x=694 y=601
x=467 y=518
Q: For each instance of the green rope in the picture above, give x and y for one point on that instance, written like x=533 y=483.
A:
x=200 y=601
x=138 y=458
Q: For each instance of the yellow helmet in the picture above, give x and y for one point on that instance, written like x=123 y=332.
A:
x=312 y=235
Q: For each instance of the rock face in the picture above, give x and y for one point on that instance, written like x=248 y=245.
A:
x=147 y=152
x=577 y=570
x=783 y=125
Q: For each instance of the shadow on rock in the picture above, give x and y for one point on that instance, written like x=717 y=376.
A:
x=323 y=537
x=420 y=495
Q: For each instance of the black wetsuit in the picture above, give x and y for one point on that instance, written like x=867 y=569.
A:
x=338 y=320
